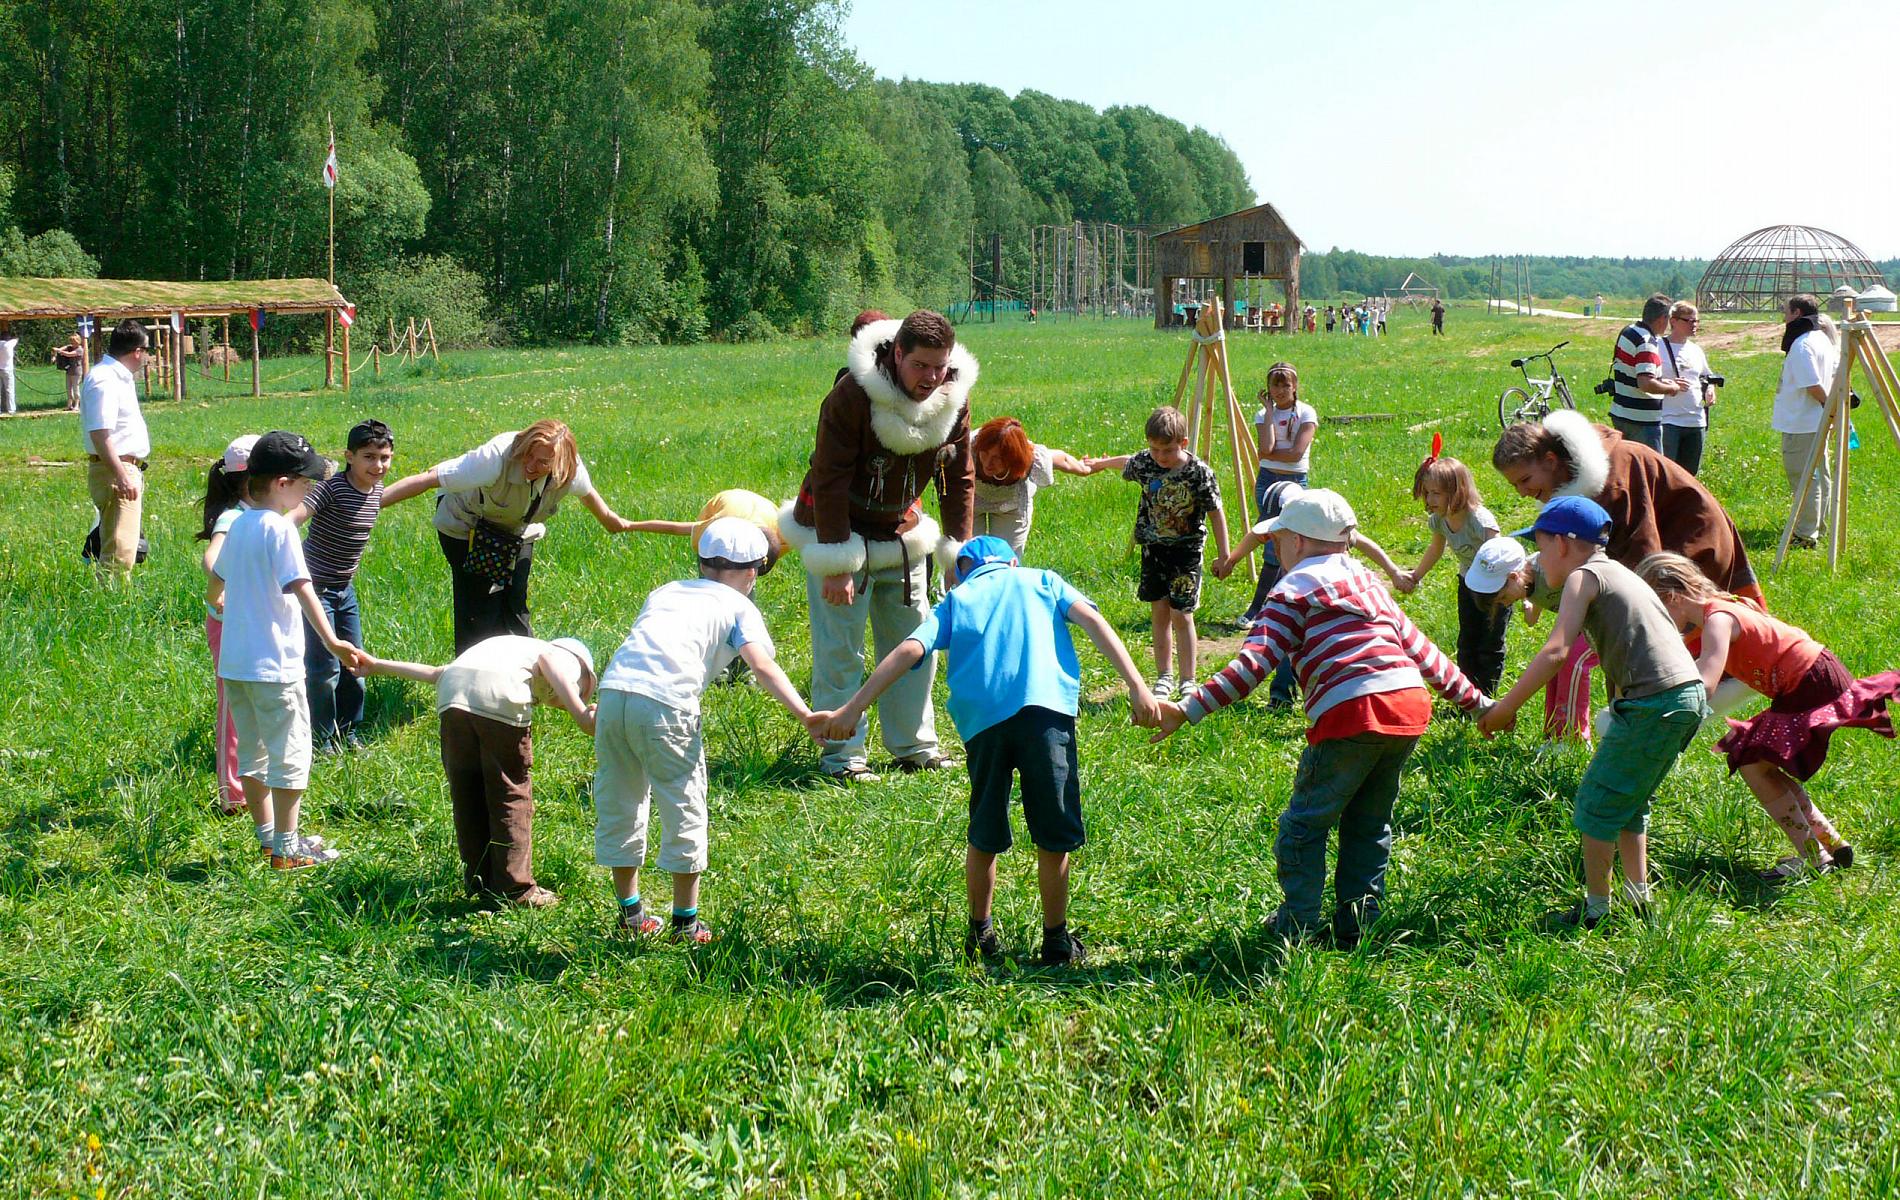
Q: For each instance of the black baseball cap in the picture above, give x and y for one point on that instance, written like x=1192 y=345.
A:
x=371 y=432
x=280 y=452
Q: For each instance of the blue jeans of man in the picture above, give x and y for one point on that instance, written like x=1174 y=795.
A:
x=1351 y=784
x=1682 y=445
x=1643 y=433
x=336 y=696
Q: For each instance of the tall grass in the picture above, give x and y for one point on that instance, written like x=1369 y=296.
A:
x=362 y=1030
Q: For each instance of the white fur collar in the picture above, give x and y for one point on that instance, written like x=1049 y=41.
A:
x=1587 y=455
x=901 y=424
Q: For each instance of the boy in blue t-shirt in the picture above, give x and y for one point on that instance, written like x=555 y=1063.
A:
x=1014 y=683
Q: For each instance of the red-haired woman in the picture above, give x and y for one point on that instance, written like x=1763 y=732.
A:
x=1009 y=469
x=504 y=489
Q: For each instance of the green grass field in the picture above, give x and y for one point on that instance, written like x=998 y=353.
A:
x=177 y=1020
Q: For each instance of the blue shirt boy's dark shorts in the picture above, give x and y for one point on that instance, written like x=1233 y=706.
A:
x=1171 y=571
x=1039 y=745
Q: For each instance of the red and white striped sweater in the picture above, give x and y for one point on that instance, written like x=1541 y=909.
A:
x=1347 y=638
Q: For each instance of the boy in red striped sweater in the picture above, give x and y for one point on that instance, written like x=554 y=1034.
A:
x=1362 y=666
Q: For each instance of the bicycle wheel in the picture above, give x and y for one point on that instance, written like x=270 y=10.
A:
x=1515 y=404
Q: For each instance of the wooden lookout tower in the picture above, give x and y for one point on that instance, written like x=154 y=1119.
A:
x=1242 y=249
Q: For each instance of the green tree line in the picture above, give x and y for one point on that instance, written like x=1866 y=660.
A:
x=1339 y=272
x=616 y=170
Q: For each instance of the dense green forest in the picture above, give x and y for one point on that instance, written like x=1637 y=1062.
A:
x=621 y=170
x=611 y=170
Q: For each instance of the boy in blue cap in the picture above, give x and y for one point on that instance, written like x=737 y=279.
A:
x=1014 y=684
x=1657 y=698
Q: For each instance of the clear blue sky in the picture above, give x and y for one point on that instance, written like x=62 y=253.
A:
x=1537 y=126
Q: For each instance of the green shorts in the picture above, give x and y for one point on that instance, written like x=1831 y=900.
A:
x=1644 y=739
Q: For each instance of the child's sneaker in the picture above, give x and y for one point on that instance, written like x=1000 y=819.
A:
x=692 y=930
x=1164 y=687
x=314 y=847
x=293 y=861
x=635 y=919
x=1060 y=948
x=983 y=944
x=534 y=897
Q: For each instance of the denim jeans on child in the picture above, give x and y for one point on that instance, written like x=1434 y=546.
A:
x=336 y=696
x=1352 y=783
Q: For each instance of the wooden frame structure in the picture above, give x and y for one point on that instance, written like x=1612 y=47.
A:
x=1092 y=267
x=1207 y=365
x=1252 y=244
x=168 y=304
x=1858 y=345
x=1413 y=292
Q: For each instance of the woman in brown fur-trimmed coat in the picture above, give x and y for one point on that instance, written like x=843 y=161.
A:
x=896 y=421
x=1653 y=503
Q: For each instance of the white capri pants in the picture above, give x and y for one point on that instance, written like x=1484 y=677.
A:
x=272 y=721
x=648 y=753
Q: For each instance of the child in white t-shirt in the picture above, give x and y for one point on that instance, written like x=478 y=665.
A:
x=647 y=734
x=1283 y=431
x=224 y=500
x=260 y=661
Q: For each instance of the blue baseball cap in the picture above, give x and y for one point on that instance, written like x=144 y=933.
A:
x=980 y=552
x=1572 y=517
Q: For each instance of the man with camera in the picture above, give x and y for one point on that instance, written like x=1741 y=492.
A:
x=1685 y=415
x=1637 y=383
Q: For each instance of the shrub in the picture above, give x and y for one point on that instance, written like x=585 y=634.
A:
x=433 y=286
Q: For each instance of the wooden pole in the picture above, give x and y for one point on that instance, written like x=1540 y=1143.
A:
x=346 y=358
x=376 y=359
x=257 y=368
x=180 y=370
x=1836 y=401
x=414 y=352
x=428 y=325
x=329 y=347
x=224 y=335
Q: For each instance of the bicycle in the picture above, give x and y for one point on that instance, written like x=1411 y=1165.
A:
x=1518 y=404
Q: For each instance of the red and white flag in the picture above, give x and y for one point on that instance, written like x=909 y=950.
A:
x=329 y=166
x=346 y=316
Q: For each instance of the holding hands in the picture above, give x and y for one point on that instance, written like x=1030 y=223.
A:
x=1496 y=719
x=831 y=726
x=1171 y=717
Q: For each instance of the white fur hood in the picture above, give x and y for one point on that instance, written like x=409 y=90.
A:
x=901 y=424
x=1585 y=446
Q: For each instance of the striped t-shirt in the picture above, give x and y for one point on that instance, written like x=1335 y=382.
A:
x=1345 y=637
x=340 y=520
x=1638 y=353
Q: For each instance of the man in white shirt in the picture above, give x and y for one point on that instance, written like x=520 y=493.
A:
x=1800 y=404
x=9 y=342
x=117 y=445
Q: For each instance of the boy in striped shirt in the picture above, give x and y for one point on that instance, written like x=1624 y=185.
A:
x=1362 y=666
x=340 y=514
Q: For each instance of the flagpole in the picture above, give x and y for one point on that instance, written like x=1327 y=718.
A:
x=329 y=316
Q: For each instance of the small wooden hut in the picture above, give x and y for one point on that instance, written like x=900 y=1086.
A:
x=1252 y=244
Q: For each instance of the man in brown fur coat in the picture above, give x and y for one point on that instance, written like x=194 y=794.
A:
x=895 y=421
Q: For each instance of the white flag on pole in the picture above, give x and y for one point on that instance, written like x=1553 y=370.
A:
x=329 y=166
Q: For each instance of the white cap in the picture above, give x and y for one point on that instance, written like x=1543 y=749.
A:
x=1319 y=513
x=579 y=650
x=1276 y=499
x=735 y=540
x=237 y=456
x=1494 y=563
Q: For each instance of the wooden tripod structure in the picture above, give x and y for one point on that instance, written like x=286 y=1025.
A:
x=1207 y=364
x=1860 y=346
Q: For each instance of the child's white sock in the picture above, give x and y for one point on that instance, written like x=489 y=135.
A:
x=1596 y=906
x=1636 y=893
x=267 y=835
x=287 y=840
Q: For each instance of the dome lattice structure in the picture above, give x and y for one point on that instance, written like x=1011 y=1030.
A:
x=1758 y=273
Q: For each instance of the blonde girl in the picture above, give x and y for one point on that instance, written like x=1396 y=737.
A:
x=1460 y=522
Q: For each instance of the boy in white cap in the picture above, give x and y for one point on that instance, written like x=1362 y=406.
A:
x=1362 y=666
x=648 y=744
x=1506 y=574
x=1014 y=684
x=485 y=702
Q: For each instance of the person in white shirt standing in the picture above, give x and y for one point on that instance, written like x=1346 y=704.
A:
x=9 y=342
x=117 y=446
x=1685 y=415
x=1800 y=403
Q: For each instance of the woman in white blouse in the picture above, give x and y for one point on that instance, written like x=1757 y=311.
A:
x=507 y=487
